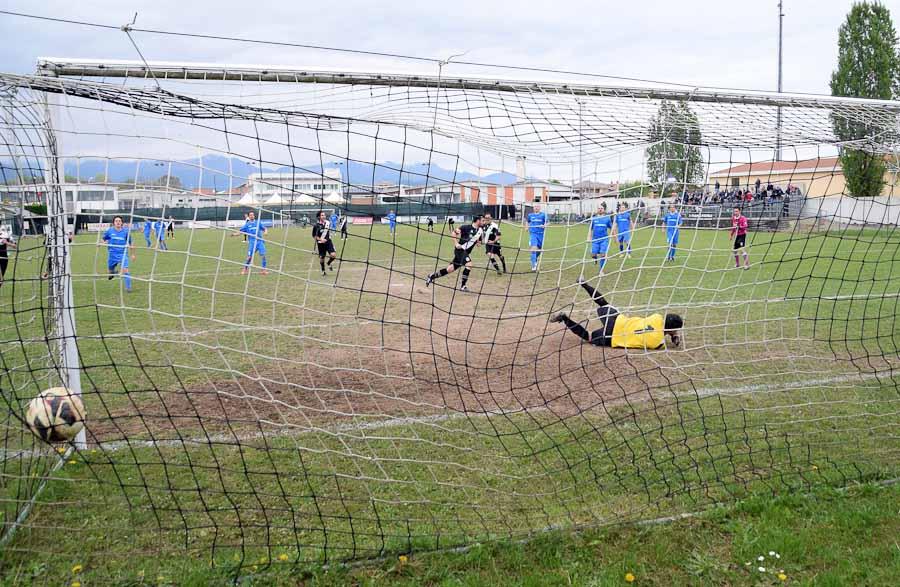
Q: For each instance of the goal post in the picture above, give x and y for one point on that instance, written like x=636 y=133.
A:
x=262 y=388
x=49 y=356
x=59 y=267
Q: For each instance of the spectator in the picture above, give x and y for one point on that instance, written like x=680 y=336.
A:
x=5 y=241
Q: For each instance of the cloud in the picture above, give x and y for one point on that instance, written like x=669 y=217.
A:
x=703 y=42
x=722 y=43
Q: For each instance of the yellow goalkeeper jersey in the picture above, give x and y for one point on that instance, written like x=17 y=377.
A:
x=635 y=332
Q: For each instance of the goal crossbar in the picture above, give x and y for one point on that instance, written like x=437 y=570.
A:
x=62 y=67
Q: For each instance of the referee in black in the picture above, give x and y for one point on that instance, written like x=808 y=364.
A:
x=468 y=236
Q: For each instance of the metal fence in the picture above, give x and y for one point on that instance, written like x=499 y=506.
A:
x=761 y=214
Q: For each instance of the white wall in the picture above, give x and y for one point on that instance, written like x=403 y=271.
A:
x=847 y=210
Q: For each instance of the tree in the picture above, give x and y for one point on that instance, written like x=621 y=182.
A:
x=674 y=146
x=172 y=181
x=631 y=188
x=868 y=67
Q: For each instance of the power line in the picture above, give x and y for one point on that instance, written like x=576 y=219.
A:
x=219 y=37
x=433 y=60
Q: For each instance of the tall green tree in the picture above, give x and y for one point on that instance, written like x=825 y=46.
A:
x=868 y=67
x=674 y=149
x=172 y=181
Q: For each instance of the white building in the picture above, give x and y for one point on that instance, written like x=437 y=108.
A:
x=492 y=194
x=264 y=186
x=79 y=197
x=199 y=200
x=145 y=198
x=172 y=198
x=90 y=198
x=439 y=193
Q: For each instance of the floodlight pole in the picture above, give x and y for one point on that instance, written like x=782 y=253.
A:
x=580 y=151
x=780 y=40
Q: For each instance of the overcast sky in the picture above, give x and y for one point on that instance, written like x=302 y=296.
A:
x=716 y=43
x=728 y=43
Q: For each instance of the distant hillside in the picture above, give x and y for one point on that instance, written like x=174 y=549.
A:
x=221 y=173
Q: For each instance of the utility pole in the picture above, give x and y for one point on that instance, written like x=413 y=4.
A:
x=778 y=121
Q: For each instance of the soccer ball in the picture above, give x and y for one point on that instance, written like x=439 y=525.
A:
x=56 y=415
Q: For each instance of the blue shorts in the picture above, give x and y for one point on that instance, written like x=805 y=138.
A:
x=537 y=240
x=672 y=238
x=113 y=261
x=600 y=246
x=256 y=247
x=625 y=237
x=393 y=226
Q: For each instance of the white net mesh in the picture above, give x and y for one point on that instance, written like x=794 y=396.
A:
x=358 y=412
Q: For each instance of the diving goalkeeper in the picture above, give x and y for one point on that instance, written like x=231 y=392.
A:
x=620 y=331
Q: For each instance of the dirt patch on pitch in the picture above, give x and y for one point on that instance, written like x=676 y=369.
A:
x=387 y=348
x=374 y=346
x=438 y=374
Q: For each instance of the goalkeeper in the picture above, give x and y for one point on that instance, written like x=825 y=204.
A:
x=620 y=331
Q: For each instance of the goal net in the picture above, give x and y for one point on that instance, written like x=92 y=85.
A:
x=281 y=407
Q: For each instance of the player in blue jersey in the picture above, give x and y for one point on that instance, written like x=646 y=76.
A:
x=148 y=227
x=623 y=229
x=536 y=222
x=159 y=234
x=254 y=230
x=392 y=221
x=118 y=240
x=672 y=222
x=333 y=220
x=601 y=225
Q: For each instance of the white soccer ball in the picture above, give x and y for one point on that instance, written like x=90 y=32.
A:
x=56 y=415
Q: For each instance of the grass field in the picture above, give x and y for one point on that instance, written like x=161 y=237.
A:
x=235 y=421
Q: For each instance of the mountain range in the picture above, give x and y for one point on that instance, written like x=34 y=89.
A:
x=223 y=173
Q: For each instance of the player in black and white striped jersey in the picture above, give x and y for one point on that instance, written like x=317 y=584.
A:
x=321 y=233
x=468 y=236
x=492 y=242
